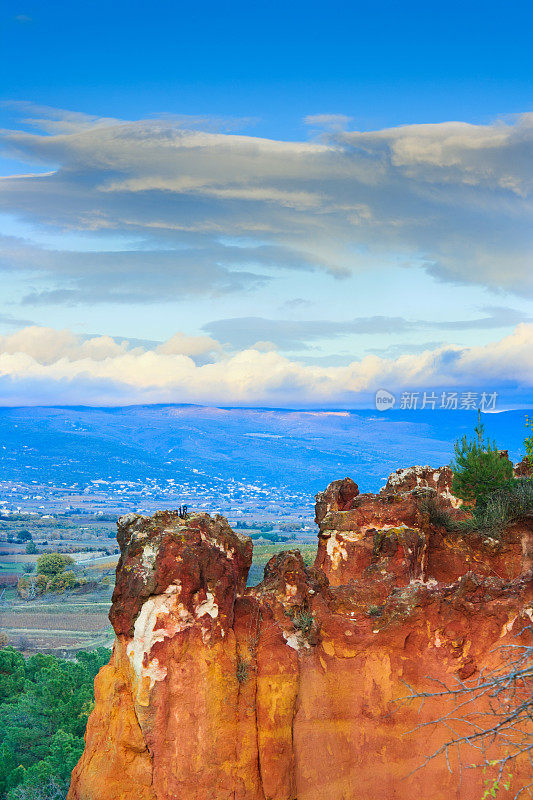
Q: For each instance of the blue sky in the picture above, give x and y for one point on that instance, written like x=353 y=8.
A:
x=382 y=63
x=313 y=199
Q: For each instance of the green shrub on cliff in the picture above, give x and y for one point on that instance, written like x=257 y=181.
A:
x=505 y=506
x=529 y=442
x=437 y=513
x=478 y=469
x=303 y=621
x=44 y=705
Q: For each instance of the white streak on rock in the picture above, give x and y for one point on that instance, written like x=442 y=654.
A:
x=170 y=617
x=207 y=607
x=335 y=551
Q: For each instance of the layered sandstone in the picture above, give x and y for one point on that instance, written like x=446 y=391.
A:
x=291 y=690
x=388 y=540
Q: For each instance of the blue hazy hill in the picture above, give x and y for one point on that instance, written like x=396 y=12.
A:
x=300 y=449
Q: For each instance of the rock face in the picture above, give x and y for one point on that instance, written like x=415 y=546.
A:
x=523 y=469
x=387 y=540
x=164 y=717
x=423 y=481
x=290 y=690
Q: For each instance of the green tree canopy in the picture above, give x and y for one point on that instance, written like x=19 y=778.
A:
x=479 y=469
x=62 y=581
x=44 y=705
x=53 y=563
x=529 y=442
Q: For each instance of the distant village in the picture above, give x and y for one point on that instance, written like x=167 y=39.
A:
x=103 y=499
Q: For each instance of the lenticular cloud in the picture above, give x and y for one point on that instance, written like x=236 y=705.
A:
x=452 y=197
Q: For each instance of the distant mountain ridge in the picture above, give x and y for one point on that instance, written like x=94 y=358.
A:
x=304 y=449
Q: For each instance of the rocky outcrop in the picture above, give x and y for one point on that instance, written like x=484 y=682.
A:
x=523 y=469
x=291 y=690
x=164 y=719
x=389 y=540
x=338 y=496
x=423 y=481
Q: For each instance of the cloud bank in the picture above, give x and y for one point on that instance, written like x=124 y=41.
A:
x=46 y=366
x=212 y=213
x=291 y=334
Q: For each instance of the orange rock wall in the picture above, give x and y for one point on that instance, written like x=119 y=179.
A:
x=292 y=690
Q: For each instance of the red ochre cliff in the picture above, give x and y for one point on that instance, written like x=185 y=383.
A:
x=289 y=690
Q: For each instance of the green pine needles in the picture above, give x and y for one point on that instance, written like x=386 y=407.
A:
x=529 y=442
x=44 y=705
x=483 y=478
x=478 y=469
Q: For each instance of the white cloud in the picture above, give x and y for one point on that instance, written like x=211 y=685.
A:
x=193 y=346
x=454 y=197
x=46 y=366
x=47 y=346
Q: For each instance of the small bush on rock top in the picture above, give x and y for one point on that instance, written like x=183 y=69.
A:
x=437 y=514
x=502 y=508
x=478 y=469
x=528 y=443
x=485 y=479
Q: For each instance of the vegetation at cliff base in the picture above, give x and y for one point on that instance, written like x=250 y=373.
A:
x=44 y=705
